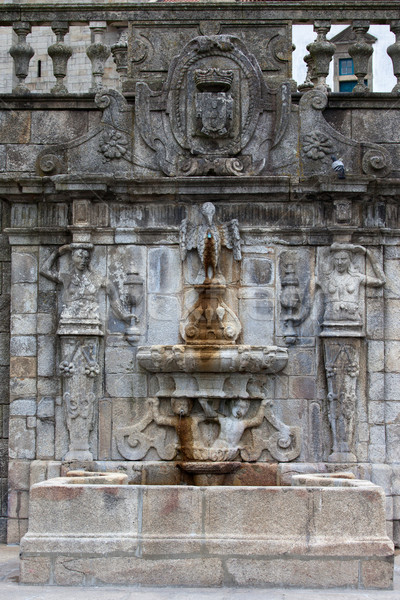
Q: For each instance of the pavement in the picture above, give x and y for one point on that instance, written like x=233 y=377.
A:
x=11 y=590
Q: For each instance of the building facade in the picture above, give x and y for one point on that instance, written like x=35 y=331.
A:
x=177 y=244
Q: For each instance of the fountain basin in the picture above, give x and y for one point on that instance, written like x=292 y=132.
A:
x=319 y=532
x=212 y=359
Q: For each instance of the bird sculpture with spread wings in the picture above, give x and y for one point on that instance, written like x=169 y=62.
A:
x=208 y=237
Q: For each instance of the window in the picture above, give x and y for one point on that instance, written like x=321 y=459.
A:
x=347 y=86
x=346 y=67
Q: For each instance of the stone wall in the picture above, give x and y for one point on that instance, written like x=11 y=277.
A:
x=4 y=368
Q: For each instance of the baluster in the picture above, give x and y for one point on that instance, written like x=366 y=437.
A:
x=321 y=51
x=60 y=54
x=308 y=83
x=22 y=53
x=98 y=52
x=119 y=51
x=394 y=53
x=360 y=52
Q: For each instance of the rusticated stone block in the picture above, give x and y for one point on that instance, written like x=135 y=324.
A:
x=36 y=570
x=45 y=439
x=171 y=510
x=392 y=320
x=15 y=127
x=18 y=502
x=3 y=458
x=24 y=298
x=377 y=574
x=119 y=360
x=154 y=473
x=23 y=407
x=23 y=345
x=16 y=529
x=302 y=387
x=164 y=270
x=22 y=157
x=23 y=324
x=20 y=386
x=22 y=366
x=22 y=439
x=49 y=127
x=18 y=474
x=294 y=573
x=393 y=442
x=136 y=571
x=133 y=385
x=46 y=355
x=23 y=268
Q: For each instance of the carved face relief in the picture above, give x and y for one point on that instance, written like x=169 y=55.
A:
x=80 y=259
x=342 y=261
x=240 y=408
x=181 y=406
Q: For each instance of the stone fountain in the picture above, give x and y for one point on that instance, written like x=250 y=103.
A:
x=200 y=376
x=217 y=528
x=215 y=387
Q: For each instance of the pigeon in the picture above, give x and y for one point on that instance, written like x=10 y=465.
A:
x=338 y=166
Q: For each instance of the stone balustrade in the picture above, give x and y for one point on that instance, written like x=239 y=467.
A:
x=117 y=29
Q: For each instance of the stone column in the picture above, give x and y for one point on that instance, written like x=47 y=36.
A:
x=22 y=53
x=98 y=52
x=360 y=52
x=394 y=53
x=321 y=52
x=60 y=54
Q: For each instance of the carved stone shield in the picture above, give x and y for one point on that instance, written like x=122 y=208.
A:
x=214 y=112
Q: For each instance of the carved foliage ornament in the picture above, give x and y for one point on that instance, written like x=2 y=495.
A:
x=113 y=144
x=317 y=145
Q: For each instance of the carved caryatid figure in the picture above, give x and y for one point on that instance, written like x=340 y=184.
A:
x=79 y=330
x=341 y=333
x=208 y=237
x=81 y=286
x=341 y=284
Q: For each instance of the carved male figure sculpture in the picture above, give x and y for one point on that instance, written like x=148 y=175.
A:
x=233 y=426
x=185 y=424
x=79 y=330
x=81 y=285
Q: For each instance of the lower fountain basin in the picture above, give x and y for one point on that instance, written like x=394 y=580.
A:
x=319 y=532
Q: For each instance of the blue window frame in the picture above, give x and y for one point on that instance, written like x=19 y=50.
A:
x=347 y=86
x=346 y=66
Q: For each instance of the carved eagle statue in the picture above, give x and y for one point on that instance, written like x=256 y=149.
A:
x=208 y=237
